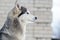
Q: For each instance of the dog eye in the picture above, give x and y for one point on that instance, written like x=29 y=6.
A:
x=27 y=13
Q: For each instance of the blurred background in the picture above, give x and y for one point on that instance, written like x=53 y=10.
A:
x=40 y=8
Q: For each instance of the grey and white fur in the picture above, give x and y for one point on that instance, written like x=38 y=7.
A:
x=15 y=25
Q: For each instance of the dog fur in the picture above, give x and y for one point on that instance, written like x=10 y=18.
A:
x=14 y=28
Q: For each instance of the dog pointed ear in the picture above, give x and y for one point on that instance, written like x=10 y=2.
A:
x=16 y=4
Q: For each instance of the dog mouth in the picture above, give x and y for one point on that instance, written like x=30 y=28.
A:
x=31 y=20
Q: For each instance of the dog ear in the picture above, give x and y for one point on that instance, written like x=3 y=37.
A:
x=16 y=4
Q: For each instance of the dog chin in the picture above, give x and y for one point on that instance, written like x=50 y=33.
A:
x=30 y=21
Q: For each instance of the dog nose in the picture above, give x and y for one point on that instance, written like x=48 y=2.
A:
x=35 y=17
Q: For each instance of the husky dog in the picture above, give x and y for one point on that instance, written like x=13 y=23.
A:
x=15 y=25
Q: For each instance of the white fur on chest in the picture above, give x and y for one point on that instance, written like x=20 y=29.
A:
x=22 y=37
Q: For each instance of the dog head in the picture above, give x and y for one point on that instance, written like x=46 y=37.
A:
x=24 y=15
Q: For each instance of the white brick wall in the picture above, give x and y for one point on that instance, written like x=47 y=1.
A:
x=40 y=8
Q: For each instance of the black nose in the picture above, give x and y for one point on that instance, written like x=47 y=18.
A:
x=35 y=17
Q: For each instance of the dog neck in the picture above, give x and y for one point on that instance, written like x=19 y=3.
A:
x=23 y=25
